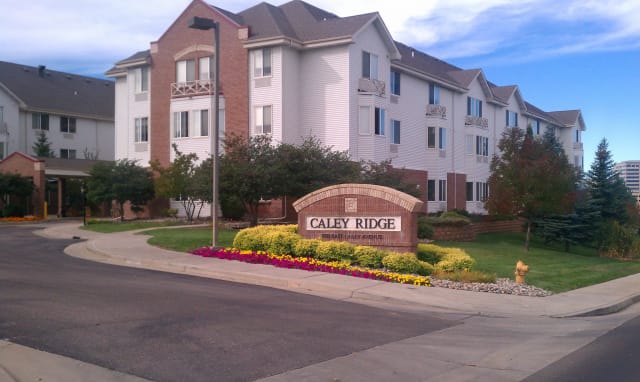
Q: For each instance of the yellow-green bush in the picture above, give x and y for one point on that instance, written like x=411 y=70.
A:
x=334 y=251
x=368 y=256
x=258 y=238
x=406 y=263
x=282 y=242
x=306 y=247
x=445 y=259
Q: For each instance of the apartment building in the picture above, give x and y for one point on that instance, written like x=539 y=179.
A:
x=294 y=70
x=630 y=172
x=75 y=112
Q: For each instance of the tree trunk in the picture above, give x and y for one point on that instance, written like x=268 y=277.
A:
x=528 y=239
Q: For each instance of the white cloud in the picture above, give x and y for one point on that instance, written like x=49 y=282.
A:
x=94 y=30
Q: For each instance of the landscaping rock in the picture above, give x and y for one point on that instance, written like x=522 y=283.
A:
x=501 y=286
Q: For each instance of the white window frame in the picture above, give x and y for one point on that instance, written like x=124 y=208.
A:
x=469 y=143
x=36 y=121
x=474 y=107
x=69 y=127
x=431 y=145
x=205 y=63
x=141 y=133
x=434 y=94
x=442 y=190
x=180 y=124
x=394 y=134
x=142 y=79
x=69 y=153
x=442 y=138
x=262 y=114
x=431 y=196
x=185 y=71
x=394 y=82
x=369 y=71
x=262 y=62
x=482 y=146
x=511 y=119
x=379 y=115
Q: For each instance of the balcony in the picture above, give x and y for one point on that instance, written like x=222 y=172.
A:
x=436 y=111
x=369 y=85
x=577 y=145
x=192 y=88
x=472 y=120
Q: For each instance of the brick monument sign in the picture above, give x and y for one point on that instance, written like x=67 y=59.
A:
x=361 y=214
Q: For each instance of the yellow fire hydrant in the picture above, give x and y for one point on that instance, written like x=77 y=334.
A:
x=521 y=271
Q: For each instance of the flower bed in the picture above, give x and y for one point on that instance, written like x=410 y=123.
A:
x=14 y=219
x=310 y=264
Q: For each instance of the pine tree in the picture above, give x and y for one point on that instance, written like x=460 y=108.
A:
x=607 y=190
x=42 y=147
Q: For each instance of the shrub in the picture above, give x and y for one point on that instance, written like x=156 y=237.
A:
x=13 y=210
x=467 y=276
x=430 y=253
x=334 y=251
x=444 y=258
x=282 y=242
x=369 y=256
x=446 y=218
x=425 y=230
x=171 y=212
x=406 y=263
x=258 y=238
x=618 y=241
x=453 y=215
x=306 y=247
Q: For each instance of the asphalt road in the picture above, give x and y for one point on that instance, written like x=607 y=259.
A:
x=611 y=357
x=168 y=327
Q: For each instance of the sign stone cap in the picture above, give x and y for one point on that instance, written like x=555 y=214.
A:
x=406 y=201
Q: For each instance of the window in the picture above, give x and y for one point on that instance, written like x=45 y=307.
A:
x=577 y=135
x=142 y=129
x=395 y=132
x=536 y=127
x=442 y=190
x=469 y=191
x=431 y=137
x=474 y=107
x=442 y=138
x=205 y=68
x=180 y=124
x=67 y=124
x=262 y=62
x=395 y=82
x=204 y=122
x=185 y=71
x=482 y=191
x=40 y=121
x=378 y=128
x=482 y=146
x=1 y=150
x=142 y=79
x=431 y=190
x=512 y=118
x=263 y=120
x=1 y=116
x=67 y=154
x=469 y=144
x=369 y=65
x=434 y=94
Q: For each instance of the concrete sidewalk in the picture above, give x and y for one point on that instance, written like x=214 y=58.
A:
x=130 y=249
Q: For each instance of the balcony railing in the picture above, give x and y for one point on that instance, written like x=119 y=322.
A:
x=436 y=111
x=577 y=145
x=191 y=88
x=472 y=120
x=369 y=85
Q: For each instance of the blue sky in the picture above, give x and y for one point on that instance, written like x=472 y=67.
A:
x=563 y=54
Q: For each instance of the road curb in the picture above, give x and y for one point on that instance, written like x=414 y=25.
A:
x=605 y=310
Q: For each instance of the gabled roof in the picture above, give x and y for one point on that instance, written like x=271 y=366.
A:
x=426 y=64
x=139 y=58
x=566 y=117
x=44 y=90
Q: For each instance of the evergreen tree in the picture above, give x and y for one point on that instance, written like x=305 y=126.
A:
x=607 y=190
x=42 y=147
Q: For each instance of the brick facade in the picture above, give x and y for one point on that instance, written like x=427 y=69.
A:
x=233 y=73
x=28 y=167
x=370 y=202
x=456 y=191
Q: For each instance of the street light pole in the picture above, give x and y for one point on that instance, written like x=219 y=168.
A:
x=202 y=23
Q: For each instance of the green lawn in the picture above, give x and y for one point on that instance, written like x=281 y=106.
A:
x=550 y=267
x=185 y=239
x=109 y=227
